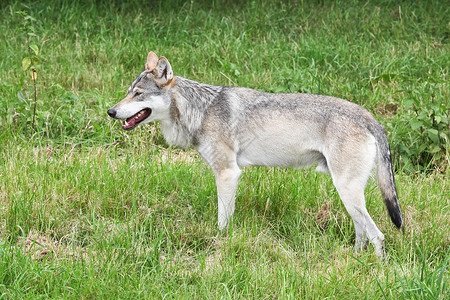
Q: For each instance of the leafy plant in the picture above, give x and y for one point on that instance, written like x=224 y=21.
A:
x=30 y=61
x=422 y=131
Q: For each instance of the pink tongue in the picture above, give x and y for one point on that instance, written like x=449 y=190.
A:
x=130 y=121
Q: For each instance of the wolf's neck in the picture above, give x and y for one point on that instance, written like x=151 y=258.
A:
x=189 y=102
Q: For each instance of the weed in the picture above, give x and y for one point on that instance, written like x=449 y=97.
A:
x=30 y=62
x=422 y=131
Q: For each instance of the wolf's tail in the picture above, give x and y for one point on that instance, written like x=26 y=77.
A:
x=386 y=180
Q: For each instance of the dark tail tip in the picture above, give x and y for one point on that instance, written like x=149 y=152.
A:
x=395 y=213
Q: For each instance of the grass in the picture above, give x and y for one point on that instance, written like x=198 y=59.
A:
x=90 y=211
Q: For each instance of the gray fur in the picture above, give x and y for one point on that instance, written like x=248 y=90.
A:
x=233 y=127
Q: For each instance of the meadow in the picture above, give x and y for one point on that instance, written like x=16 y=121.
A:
x=90 y=211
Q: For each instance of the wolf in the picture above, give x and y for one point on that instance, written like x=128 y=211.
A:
x=233 y=127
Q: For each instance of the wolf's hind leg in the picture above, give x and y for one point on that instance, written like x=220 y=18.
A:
x=351 y=165
x=352 y=195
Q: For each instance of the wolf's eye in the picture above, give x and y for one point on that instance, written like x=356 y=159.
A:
x=137 y=93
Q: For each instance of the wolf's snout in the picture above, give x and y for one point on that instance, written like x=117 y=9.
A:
x=112 y=112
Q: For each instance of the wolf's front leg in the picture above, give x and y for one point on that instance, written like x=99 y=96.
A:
x=227 y=182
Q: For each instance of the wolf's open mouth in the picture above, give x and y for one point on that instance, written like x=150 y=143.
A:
x=134 y=121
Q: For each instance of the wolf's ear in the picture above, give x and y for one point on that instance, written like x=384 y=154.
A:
x=152 y=61
x=163 y=72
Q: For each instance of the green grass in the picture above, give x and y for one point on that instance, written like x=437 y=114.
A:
x=90 y=211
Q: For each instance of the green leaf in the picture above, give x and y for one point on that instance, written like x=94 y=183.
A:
x=433 y=131
x=415 y=124
x=434 y=149
x=409 y=103
x=35 y=49
x=405 y=149
x=435 y=106
x=424 y=115
x=26 y=62
x=433 y=134
x=28 y=17
x=421 y=148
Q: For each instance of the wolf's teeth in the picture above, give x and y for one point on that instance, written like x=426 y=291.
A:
x=125 y=123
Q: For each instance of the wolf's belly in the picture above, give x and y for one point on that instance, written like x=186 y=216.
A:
x=275 y=155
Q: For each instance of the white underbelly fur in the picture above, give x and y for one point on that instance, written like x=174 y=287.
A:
x=276 y=153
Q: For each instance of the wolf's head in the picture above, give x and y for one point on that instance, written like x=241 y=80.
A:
x=147 y=98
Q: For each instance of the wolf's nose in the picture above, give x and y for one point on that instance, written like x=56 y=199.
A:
x=112 y=112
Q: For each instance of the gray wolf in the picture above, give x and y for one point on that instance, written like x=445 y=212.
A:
x=233 y=127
